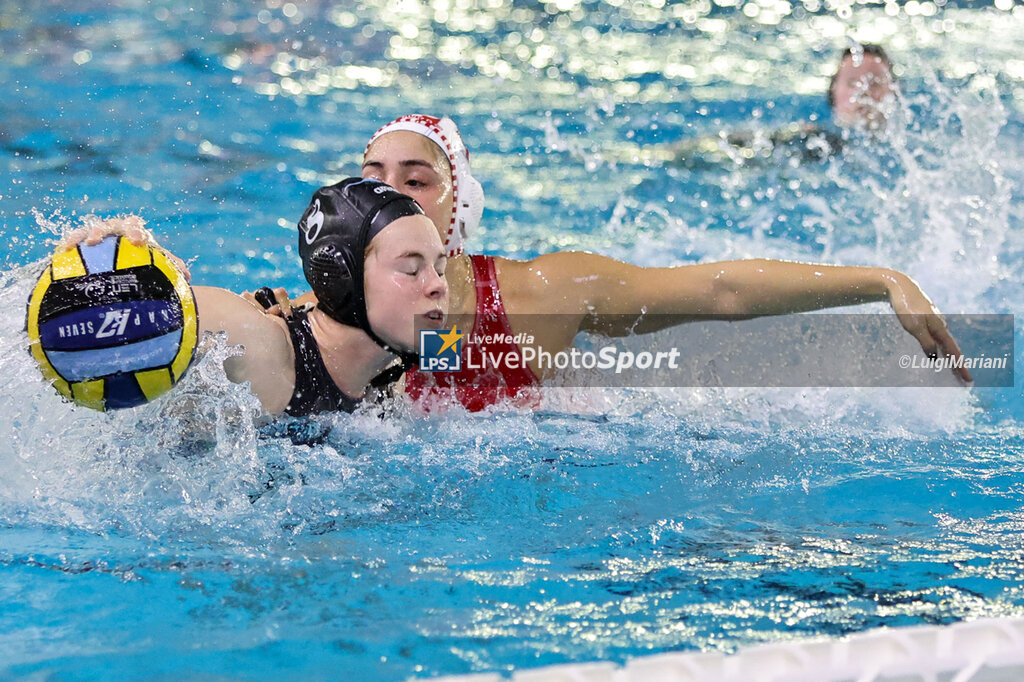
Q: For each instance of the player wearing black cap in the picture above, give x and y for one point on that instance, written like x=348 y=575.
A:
x=377 y=265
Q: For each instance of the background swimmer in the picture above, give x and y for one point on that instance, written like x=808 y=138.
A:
x=861 y=95
x=376 y=262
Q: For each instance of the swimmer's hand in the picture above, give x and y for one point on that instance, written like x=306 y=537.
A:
x=922 y=319
x=94 y=229
x=270 y=301
x=276 y=301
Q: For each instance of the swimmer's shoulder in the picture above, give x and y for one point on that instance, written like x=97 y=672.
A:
x=519 y=281
x=554 y=282
x=809 y=140
x=541 y=272
x=805 y=140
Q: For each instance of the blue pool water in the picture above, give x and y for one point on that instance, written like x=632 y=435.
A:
x=180 y=539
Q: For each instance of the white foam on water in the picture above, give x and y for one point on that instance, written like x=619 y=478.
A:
x=986 y=650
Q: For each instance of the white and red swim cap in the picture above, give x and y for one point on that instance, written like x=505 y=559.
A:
x=467 y=194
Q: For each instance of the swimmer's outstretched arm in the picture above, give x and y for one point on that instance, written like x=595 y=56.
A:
x=617 y=298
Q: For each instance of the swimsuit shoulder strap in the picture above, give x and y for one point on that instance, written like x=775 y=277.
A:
x=314 y=391
x=488 y=294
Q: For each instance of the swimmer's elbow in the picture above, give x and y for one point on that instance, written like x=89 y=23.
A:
x=739 y=290
x=271 y=382
x=725 y=300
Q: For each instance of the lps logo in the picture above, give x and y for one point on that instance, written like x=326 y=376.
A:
x=440 y=351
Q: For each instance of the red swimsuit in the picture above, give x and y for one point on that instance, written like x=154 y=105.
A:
x=477 y=388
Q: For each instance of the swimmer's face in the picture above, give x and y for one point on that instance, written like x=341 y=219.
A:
x=863 y=93
x=414 y=165
x=404 y=281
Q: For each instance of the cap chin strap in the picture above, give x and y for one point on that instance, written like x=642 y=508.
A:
x=361 y=321
x=467 y=193
x=407 y=358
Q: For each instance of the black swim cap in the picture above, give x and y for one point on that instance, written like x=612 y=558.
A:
x=334 y=232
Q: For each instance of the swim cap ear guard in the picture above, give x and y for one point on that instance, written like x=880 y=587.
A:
x=467 y=193
x=334 y=233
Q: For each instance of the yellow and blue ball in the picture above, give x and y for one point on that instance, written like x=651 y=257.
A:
x=112 y=325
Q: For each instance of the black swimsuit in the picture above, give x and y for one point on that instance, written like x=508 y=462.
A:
x=315 y=391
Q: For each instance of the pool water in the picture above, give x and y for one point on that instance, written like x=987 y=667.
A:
x=181 y=538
